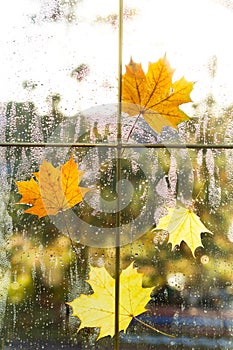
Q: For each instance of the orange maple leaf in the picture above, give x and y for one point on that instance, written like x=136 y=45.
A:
x=52 y=190
x=153 y=95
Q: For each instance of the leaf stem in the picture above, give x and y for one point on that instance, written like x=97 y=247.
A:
x=196 y=198
x=154 y=329
x=68 y=232
x=131 y=130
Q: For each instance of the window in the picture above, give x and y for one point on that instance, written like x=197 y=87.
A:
x=124 y=186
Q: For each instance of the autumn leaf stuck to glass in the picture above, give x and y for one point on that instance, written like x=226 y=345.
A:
x=153 y=95
x=183 y=225
x=98 y=309
x=52 y=190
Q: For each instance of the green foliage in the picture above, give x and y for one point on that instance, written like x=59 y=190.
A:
x=44 y=259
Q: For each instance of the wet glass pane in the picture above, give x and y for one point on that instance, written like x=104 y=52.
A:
x=116 y=218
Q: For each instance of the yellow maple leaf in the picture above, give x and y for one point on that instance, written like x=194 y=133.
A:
x=183 y=225
x=153 y=95
x=52 y=189
x=98 y=309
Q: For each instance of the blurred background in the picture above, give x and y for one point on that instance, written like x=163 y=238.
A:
x=60 y=58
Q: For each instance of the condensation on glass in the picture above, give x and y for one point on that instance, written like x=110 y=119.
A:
x=59 y=84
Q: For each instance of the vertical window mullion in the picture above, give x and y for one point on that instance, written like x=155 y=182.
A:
x=118 y=176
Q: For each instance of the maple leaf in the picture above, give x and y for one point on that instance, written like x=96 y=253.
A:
x=52 y=189
x=183 y=225
x=98 y=309
x=153 y=95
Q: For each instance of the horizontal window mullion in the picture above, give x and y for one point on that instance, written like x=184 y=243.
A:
x=119 y=145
